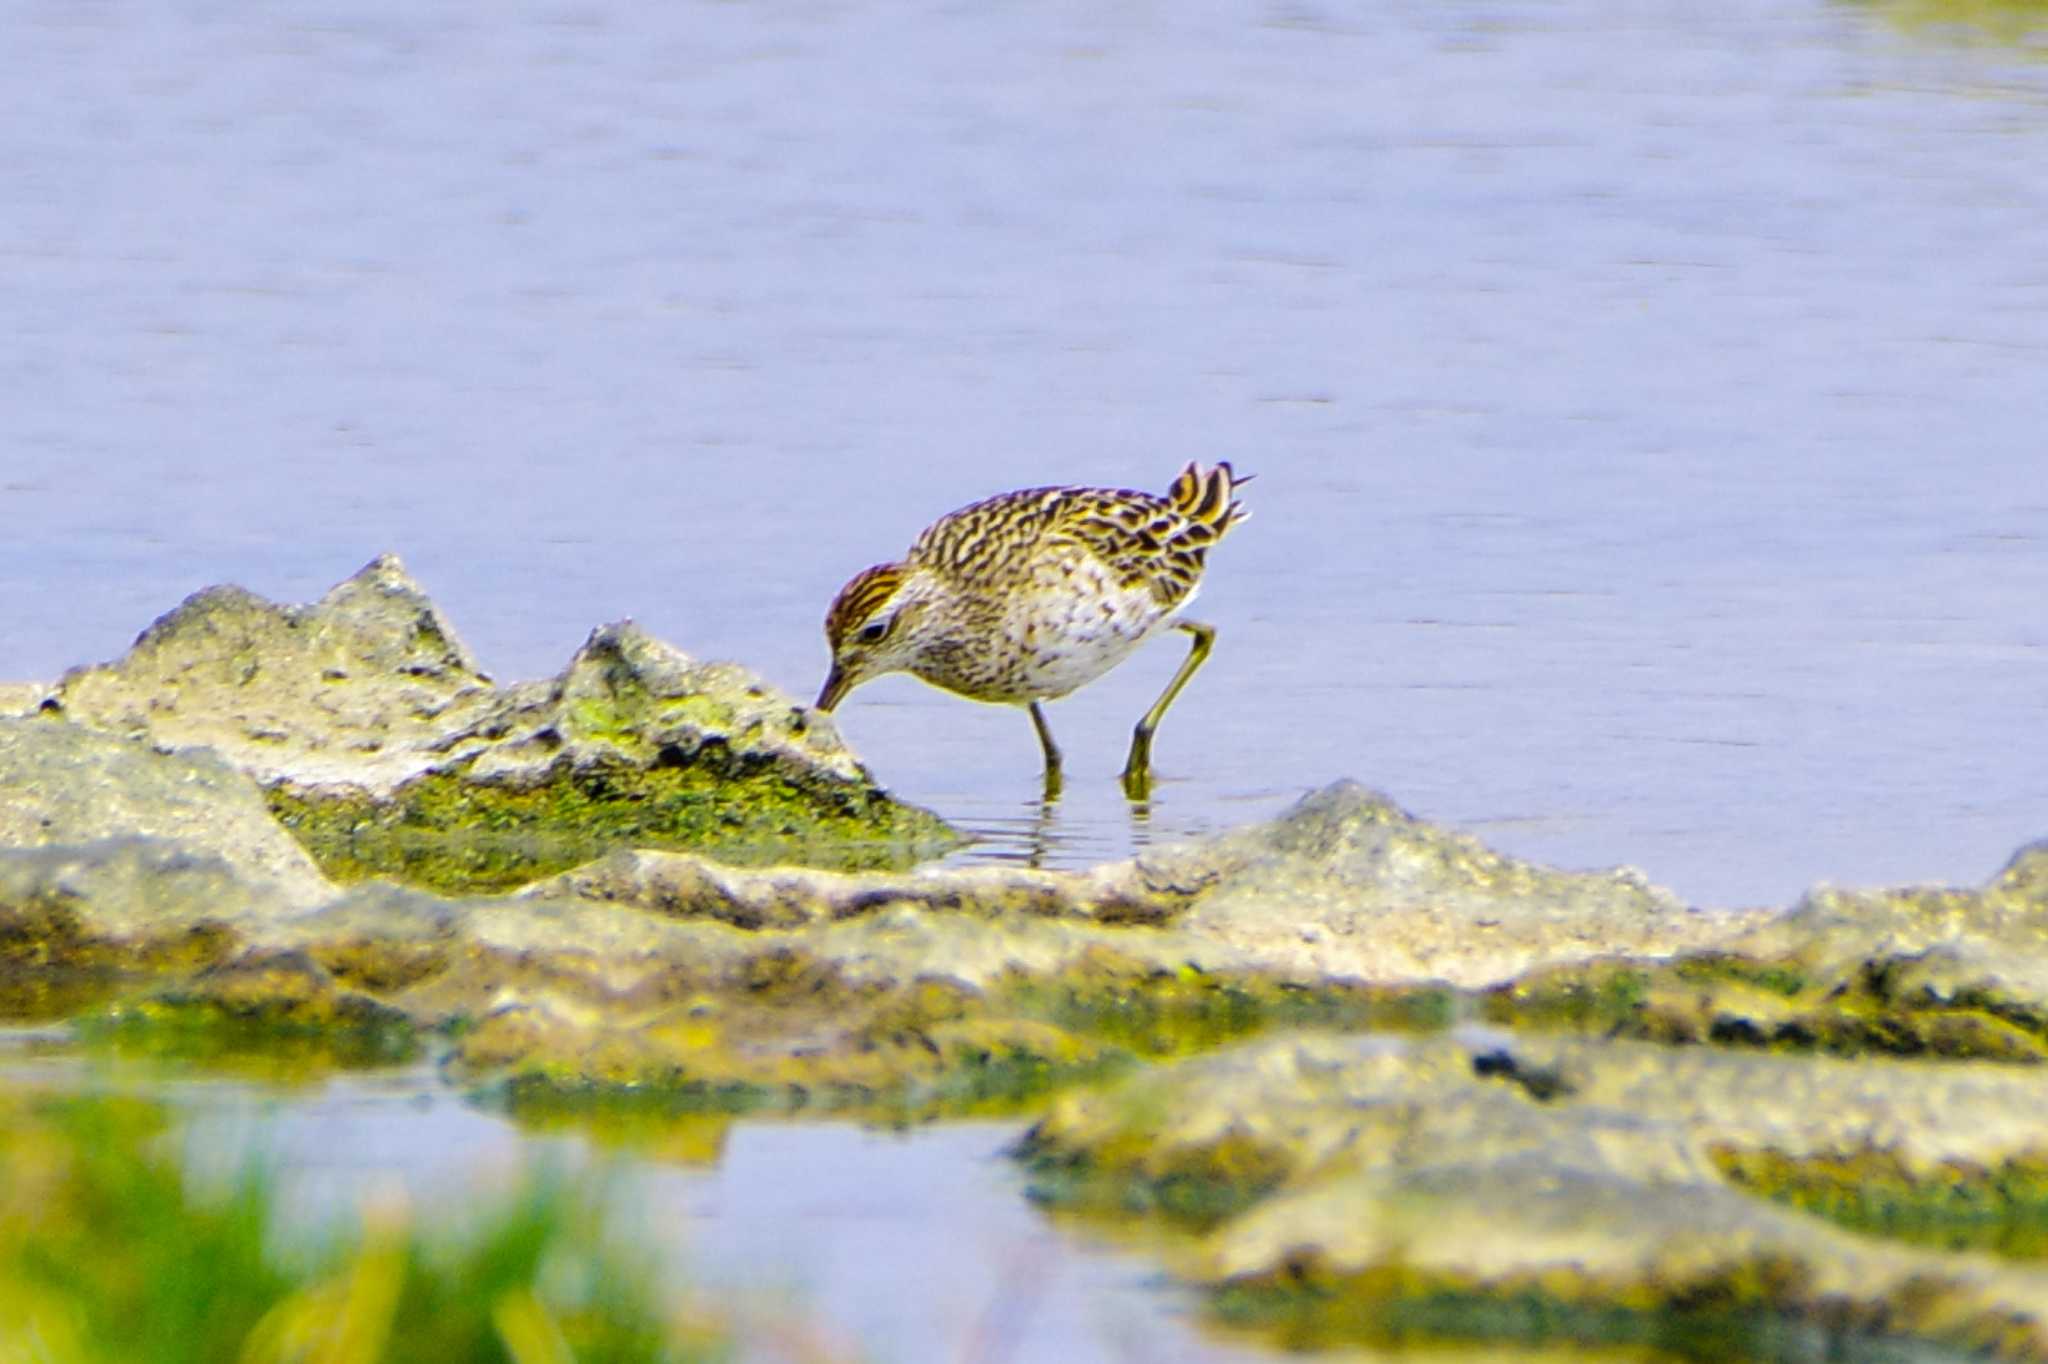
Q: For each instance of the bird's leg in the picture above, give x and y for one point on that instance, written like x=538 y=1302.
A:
x=1052 y=753
x=1138 y=769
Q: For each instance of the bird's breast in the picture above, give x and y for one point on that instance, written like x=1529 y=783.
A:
x=1077 y=624
x=1057 y=626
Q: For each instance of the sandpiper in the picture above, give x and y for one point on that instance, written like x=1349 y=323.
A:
x=1023 y=597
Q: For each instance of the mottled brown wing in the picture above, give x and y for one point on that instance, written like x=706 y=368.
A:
x=1159 y=543
x=1143 y=539
x=991 y=540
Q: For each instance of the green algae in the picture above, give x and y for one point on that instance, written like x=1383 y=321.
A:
x=1769 y=1005
x=1955 y=1206
x=1752 y=1312
x=1783 y=978
x=384 y=966
x=1598 y=997
x=996 y=1067
x=46 y=996
x=989 y=1084
x=968 y=1068
x=2019 y=24
x=540 y=1097
x=51 y=967
x=786 y=1032
x=1191 y=1187
x=447 y=832
x=281 y=1040
x=1158 y=1014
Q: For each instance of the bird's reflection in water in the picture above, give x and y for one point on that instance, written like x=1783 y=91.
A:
x=1141 y=825
x=1044 y=833
x=1033 y=837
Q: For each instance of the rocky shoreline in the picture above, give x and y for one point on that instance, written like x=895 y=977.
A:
x=1422 y=1089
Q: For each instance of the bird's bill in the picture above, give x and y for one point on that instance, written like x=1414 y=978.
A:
x=836 y=687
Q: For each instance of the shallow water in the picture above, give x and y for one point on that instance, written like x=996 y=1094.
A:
x=1646 y=401
x=904 y=1246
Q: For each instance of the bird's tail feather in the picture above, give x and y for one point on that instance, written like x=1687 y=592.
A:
x=1204 y=496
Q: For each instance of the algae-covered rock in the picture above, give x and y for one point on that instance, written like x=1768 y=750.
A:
x=1179 y=950
x=556 y=999
x=684 y=983
x=1913 y=971
x=665 y=971
x=1987 y=946
x=358 y=688
x=646 y=971
x=1350 y=902
x=78 y=921
x=268 y=1004
x=385 y=748
x=60 y=784
x=893 y=1055
x=1342 y=886
x=685 y=886
x=1476 y=1184
x=121 y=864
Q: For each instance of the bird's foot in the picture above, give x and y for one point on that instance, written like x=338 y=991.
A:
x=1054 y=783
x=1137 y=775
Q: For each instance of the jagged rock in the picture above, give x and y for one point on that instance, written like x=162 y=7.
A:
x=1477 y=1183
x=628 y=696
x=1179 y=948
x=61 y=784
x=360 y=688
x=1348 y=884
x=381 y=743
x=1920 y=970
x=1343 y=912
x=129 y=896
x=559 y=996
x=1988 y=946
x=1344 y=885
x=685 y=886
x=78 y=921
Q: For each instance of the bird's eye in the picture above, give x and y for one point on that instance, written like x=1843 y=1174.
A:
x=872 y=633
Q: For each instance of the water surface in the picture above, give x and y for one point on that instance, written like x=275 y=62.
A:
x=826 y=1240
x=1647 y=401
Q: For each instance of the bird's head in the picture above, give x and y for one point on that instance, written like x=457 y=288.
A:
x=872 y=628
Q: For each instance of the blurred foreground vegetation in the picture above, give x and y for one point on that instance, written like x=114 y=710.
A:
x=2020 y=23
x=106 y=1257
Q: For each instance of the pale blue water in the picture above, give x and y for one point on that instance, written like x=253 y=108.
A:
x=873 y=1245
x=1647 y=403
x=1647 y=400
